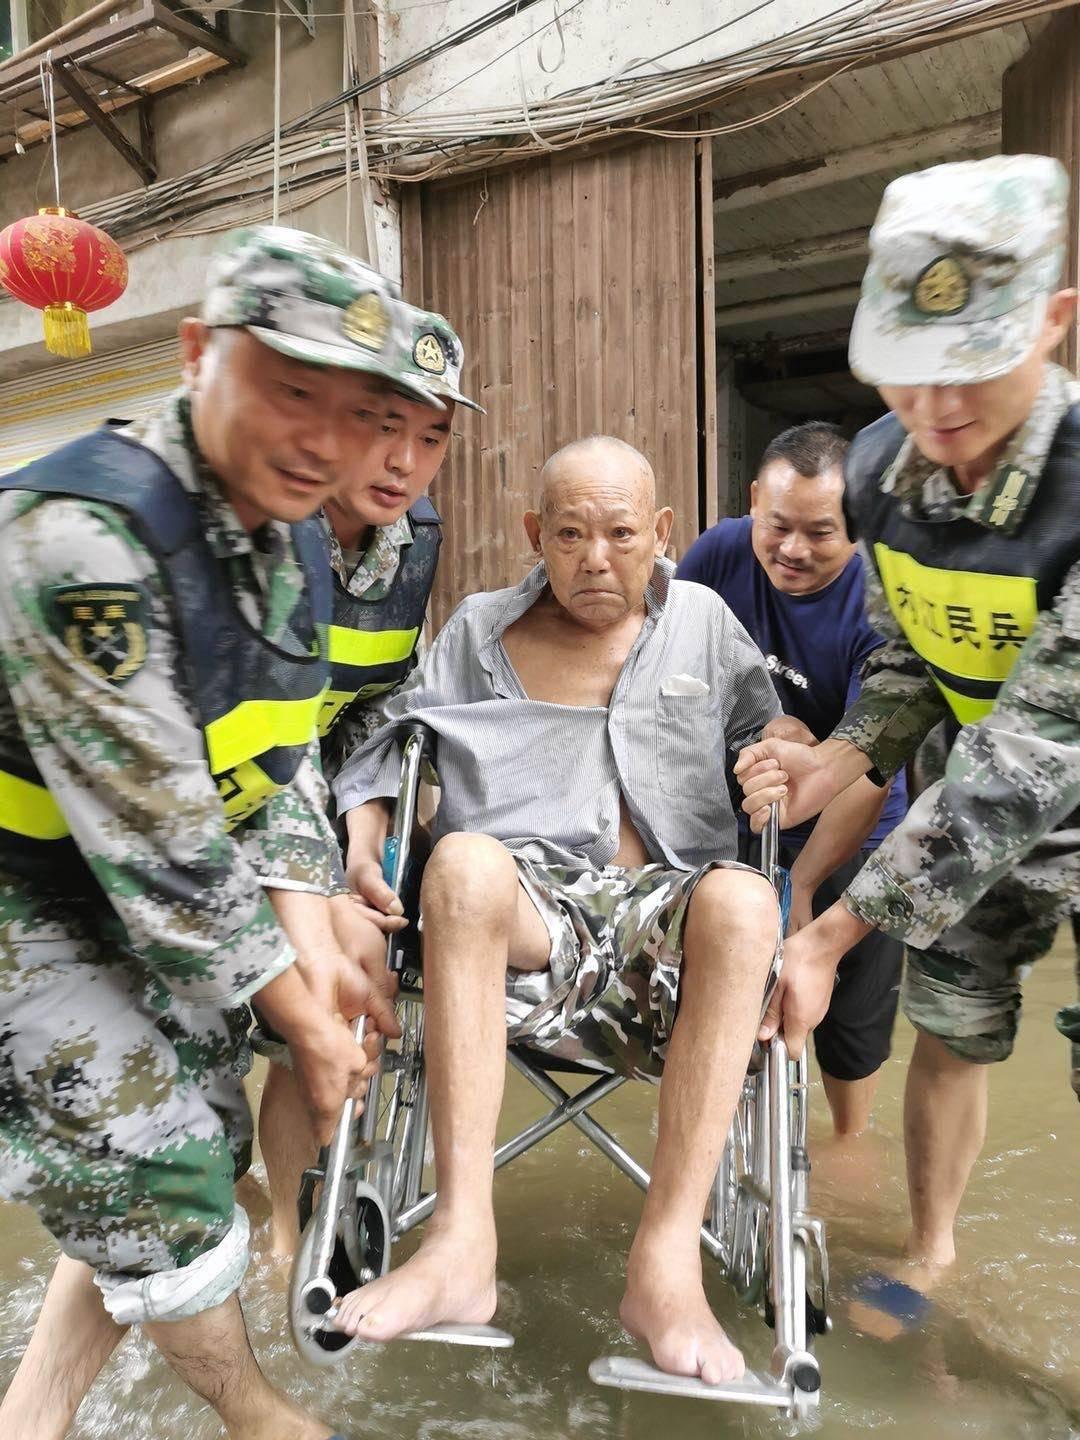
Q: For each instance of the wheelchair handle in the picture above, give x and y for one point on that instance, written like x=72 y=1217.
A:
x=317 y=1289
x=770 y=844
x=416 y=748
x=417 y=729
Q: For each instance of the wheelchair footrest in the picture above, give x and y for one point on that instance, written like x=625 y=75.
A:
x=624 y=1373
x=483 y=1336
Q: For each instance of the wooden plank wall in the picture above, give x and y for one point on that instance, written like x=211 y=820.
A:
x=572 y=284
x=714 y=486
x=1040 y=114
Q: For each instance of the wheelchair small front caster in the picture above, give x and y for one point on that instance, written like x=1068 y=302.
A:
x=361 y=1253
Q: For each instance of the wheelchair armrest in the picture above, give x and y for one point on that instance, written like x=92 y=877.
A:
x=416 y=728
x=417 y=750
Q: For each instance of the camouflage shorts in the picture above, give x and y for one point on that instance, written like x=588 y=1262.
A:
x=611 y=992
x=966 y=989
x=123 y=1118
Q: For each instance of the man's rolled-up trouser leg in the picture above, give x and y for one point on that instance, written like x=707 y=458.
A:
x=124 y=1126
x=965 y=990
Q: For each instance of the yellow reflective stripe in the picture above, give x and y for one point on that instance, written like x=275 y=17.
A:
x=243 y=790
x=28 y=809
x=370 y=647
x=966 y=710
x=255 y=726
x=334 y=701
x=964 y=622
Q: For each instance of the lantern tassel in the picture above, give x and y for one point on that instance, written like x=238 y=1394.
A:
x=67 y=331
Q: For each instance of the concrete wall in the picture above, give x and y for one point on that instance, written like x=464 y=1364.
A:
x=600 y=40
x=191 y=125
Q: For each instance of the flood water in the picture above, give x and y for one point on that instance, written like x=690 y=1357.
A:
x=1000 y=1358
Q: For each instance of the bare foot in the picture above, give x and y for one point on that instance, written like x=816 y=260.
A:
x=919 y=1274
x=665 y=1306
x=450 y=1278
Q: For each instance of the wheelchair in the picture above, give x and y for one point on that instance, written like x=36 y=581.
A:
x=366 y=1190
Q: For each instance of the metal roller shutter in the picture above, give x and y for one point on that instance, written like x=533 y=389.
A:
x=53 y=406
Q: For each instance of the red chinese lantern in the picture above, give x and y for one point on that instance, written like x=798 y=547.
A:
x=60 y=264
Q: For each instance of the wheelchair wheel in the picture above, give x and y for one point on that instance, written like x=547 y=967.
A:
x=361 y=1253
x=740 y=1209
x=404 y=1119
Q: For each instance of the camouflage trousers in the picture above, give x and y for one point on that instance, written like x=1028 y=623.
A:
x=966 y=989
x=610 y=995
x=123 y=1118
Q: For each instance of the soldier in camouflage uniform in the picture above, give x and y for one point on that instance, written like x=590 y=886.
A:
x=384 y=545
x=165 y=856
x=965 y=503
x=583 y=895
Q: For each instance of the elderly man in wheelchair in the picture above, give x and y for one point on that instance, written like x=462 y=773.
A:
x=582 y=902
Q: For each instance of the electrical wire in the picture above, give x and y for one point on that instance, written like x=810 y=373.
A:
x=417 y=145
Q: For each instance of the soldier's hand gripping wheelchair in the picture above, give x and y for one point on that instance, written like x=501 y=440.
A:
x=366 y=1191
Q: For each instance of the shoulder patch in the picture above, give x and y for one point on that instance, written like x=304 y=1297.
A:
x=102 y=624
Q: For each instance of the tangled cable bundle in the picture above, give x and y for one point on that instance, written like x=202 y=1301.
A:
x=320 y=150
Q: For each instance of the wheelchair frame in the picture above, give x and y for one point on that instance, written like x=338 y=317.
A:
x=369 y=1183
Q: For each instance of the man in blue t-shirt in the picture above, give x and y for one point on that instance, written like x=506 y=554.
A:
x=790 y=573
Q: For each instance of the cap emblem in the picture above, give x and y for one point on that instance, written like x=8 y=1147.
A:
x=943 y=288
x=367 y=322
x=429 y=354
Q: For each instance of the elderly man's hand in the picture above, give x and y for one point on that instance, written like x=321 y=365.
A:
x=373 y=897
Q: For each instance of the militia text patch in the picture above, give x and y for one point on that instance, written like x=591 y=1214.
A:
x=103 y=625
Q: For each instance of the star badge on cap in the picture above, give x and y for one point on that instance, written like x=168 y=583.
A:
x=943 y=288
x=367 y=322
x=429 y=354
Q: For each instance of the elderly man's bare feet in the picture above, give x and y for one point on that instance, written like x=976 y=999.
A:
x=665 y=1306
x=450 y=1278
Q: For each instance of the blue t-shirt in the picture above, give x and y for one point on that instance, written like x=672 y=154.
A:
x=814 y=645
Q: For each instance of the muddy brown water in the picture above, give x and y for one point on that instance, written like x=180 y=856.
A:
x=999 y=1358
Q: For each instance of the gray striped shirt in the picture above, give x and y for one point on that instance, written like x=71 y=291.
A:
x=546 y=779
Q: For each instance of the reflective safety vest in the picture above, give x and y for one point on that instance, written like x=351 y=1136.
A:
x=257 y=702
x=372 y=642
x=967 y=595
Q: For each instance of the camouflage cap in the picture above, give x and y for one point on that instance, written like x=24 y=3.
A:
x=311 y=300
x=435 y=356
x=963 y=260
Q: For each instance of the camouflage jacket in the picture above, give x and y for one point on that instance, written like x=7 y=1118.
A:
x=1010 y=780
x=126 y=760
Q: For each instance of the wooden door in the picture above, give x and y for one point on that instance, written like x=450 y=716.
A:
x=573 y=285
x=1040 y=115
